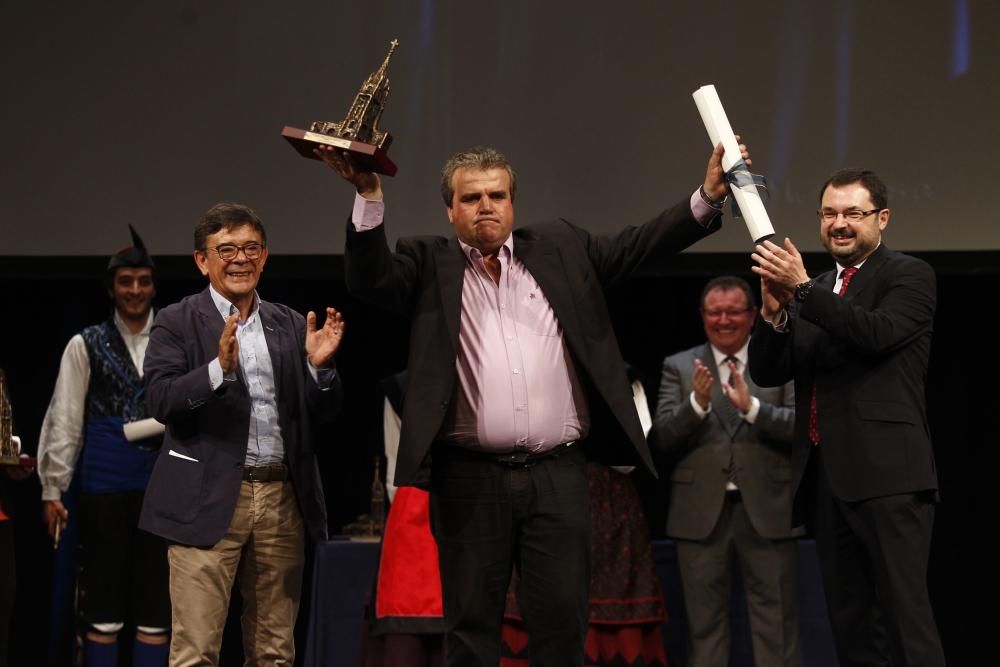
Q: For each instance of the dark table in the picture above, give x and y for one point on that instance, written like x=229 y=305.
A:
x=344 y=573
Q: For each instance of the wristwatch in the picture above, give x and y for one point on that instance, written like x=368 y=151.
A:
x=802 y=290
x=711 y=202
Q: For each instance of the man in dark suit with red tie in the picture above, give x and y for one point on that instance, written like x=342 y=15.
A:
x=856 y=341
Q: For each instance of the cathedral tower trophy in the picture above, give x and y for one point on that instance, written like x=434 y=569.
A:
x=358 y=133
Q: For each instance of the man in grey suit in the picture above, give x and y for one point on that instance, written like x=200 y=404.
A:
x=729 y=447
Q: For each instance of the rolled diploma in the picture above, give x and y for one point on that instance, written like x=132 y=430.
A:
x=719 y=129
x=142 y=429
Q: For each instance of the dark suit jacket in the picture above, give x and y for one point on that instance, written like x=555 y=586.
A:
x=698 y=452
x=866 y=353
x=424 y=278
x=192 y=502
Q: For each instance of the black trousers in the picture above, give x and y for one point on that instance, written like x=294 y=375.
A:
x=124 y=574
x=873 y=556
x=488 y=517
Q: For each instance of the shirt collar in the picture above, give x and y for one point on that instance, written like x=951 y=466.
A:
x=126 y=332
x=226 y=308
x=474 y=253
x=741 y=355
x=841 y=267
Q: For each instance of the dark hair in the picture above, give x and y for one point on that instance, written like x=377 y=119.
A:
x=477 y=157
x=866 y=177
x=726 y=283
x=226 y=215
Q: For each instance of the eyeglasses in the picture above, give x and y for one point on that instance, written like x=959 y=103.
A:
x=733 y=314
x=229 y=251
x=852 y=215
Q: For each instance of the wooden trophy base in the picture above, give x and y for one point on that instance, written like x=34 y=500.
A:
x=368 y=156
x=18 y=461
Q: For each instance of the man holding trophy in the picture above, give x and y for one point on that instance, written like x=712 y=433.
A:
x=515 y=380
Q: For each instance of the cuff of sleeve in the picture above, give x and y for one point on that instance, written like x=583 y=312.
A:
x=216 y=378
x=701 y=211
x=367 y=213
x=782 y=325
x=698 y=410
x=51 y=493
x=323 y=377
x=751 y=414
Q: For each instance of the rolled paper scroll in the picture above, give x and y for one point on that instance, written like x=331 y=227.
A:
x=142 y=429
x=743 y=187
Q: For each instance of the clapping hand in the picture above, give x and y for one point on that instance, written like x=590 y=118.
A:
x=322 y=343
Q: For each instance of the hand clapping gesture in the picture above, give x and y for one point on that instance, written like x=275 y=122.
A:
x=229 y=346
x=322 y=343
x=701 y=384
x=737 y=390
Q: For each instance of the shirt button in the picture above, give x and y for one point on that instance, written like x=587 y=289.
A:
x=510 y=338
x=516 y=372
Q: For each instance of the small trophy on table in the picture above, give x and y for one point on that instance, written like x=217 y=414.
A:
x=9 y=450
x=358 y=133
x=370 y=527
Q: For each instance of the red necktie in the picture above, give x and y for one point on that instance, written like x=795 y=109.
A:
x=846 y=277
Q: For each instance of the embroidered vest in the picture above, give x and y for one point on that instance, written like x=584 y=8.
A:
x=109 y=462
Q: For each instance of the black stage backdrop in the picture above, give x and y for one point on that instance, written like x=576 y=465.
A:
x=48 y=299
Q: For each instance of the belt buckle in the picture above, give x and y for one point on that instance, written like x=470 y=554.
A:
x=516 y=458
x=265 y=473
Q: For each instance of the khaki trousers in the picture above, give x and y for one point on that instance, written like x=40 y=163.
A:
x=265 y=546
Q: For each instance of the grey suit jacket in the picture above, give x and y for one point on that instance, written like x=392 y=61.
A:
x=698 y=451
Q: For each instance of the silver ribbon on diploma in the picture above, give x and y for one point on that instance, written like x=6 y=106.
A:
x=742 y=183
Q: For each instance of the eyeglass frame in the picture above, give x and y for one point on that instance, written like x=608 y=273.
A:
x=848 y=215
x=238 y=249
x=715 y=314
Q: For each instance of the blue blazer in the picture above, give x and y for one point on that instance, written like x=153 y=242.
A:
x=192 y=494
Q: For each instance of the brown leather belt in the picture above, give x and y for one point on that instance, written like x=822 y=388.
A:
x=275 y=472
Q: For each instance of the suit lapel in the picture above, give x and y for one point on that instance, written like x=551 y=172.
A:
x=273 y=337
x=450 y=265
x=545 y=264
x=866 y=274
x=826 y=280
x=212 y=323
